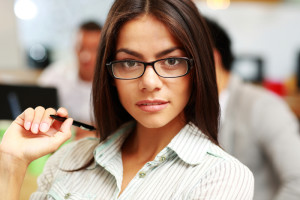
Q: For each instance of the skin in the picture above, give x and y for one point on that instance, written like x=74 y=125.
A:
x=223 y=76
x=86 y=50
x=24 y=141
x=147 y=39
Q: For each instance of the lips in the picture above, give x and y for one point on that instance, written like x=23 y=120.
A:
x=152 y=105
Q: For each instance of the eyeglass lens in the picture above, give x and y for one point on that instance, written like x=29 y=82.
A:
x=168 y=68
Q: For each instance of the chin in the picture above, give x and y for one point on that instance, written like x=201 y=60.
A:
x=152 y=123
x=161 y=120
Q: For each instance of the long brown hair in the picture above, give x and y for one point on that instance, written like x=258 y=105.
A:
x=188 y=27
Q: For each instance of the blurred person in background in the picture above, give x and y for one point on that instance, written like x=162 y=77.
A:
x=257 y=127
x=73 y=77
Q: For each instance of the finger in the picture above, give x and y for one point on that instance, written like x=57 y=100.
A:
x=62 y=112
x=46 y=120
x=38 y=115
x=63 y=135
x=28 y=116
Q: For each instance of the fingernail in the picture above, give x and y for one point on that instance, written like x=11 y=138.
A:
x=27 y=125
x=59 y=110
x=44 y=127
x=35 y=128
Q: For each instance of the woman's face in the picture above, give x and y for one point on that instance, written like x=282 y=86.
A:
x=152 y=100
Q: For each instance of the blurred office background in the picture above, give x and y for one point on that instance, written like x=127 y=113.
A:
x=34 y=33
x=265 y=35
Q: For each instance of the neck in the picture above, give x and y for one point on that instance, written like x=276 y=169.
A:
x=146 y=143
x=223 y=77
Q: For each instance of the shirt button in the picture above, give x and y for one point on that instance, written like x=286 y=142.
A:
x=142 y=174
x=162 y=159
x=67 y=196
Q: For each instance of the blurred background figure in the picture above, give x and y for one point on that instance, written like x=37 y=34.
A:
x=73 y=77
x=257 y=127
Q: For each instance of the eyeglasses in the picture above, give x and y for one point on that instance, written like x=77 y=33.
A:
x=166 y=68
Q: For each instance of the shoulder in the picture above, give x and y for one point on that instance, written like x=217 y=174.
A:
x=226 y=157
x=248 y=92
x=227 y=163
x=256 y=94
x=226 y=179
x=266 y=106
x=258 y=102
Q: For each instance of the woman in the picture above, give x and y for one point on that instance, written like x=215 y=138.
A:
x=156 y=110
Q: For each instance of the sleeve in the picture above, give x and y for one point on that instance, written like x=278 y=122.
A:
x=278 y=131
x=50 y=171
x=227 y=181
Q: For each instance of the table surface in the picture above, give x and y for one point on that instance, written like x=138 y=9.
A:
x=19 y=76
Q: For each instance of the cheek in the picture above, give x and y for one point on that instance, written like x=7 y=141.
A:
x=190 y=85
x=185 y=89
x=118 y=86
x=122 y=89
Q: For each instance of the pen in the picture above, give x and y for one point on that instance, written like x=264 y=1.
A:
x=75 y=123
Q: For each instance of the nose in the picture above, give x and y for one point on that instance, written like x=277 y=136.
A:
x=150 y=81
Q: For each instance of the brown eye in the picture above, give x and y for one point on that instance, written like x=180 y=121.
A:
x=171 y=61
x=129 y=63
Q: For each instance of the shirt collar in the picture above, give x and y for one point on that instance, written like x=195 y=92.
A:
x=190 y=144
x=112 y=145
x=77 y=154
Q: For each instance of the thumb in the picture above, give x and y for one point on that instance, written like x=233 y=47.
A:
x=64 y=134
x=66 y=126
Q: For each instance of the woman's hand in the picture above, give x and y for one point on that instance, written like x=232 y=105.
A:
x=34 y=134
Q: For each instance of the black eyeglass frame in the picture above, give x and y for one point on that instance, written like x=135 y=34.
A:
x=189 y=63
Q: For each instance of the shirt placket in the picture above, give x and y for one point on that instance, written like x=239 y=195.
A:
x=145 y=171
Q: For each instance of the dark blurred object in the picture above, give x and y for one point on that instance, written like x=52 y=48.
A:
x=38 y=56
x=16 y=98
x=249 y=67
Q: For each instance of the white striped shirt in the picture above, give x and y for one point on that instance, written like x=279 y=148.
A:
x=189 y=167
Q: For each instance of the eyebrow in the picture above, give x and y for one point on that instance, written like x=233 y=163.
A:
x=167 y=51
x=157 y=55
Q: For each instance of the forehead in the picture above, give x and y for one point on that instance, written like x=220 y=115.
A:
x=146 y=33
x=88 y=36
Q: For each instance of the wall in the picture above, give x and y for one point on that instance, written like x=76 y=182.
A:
x=10 y=50
x=269 y=30
x=57 y=21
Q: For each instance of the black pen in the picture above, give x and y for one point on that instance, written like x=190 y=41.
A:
x=75 y=123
